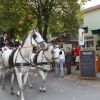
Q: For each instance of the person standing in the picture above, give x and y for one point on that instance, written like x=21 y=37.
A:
x=61 y=62
x=59 y=58
x=73 y=54
x=77 y=54
x=68 y=60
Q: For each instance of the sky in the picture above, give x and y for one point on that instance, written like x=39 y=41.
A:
x=92 y=3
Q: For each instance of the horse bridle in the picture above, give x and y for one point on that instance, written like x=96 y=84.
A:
x=34 y=36
x=48 y=60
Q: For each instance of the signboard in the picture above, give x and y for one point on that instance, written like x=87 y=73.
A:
x=81 y=37
x=87 y=63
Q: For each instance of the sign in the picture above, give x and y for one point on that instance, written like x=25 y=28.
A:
x=87 y=63
x=81 y=36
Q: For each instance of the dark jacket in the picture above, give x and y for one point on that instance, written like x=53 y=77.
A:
x=3 y=42
x=68 y=57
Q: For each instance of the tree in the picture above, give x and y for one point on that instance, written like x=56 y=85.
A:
x=15 y=17
x=49 y=16
x=55 y=15
x=42 y=10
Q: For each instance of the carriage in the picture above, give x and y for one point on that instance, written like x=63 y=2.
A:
x=21 y=60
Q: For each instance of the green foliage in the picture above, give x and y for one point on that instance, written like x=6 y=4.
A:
x=65 y=17
x=56 y=15
x=15 y=17
x=49 y=16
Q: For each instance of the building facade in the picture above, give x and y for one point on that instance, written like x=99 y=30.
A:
x=92 y=22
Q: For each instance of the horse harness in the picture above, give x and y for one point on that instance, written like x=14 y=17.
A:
x=40 y=63
x=12 y=64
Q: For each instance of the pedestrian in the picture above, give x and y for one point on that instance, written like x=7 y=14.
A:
x=73 y=54
x=59 y=58
x=61 y=62
x=77 y=58
x=68 y=60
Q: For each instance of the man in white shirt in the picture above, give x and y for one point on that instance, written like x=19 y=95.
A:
x=59 y=61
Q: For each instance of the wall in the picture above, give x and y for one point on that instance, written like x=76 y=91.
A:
x=92 y=20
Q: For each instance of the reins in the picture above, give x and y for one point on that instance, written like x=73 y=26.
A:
x=30 y=63
x=25 y=64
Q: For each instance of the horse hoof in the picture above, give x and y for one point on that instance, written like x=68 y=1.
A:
x=44 y=91
x=31 y=87
x=18 y=93
x=40 y=89
x=12 y=93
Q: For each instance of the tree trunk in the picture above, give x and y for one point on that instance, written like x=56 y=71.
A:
x=45 y=32
x=39 y=24
x=39 y=20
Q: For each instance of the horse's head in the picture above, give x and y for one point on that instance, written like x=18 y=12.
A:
x=37 y=40
x=48 y=52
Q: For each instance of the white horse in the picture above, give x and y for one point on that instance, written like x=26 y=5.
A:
x=42 y=62
x=20 y=58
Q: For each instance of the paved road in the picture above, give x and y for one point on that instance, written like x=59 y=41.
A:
x=71 y=88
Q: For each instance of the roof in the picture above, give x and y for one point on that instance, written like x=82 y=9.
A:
x=52 y=39
x=69 y=40
x=91 y=8
x=58 y=39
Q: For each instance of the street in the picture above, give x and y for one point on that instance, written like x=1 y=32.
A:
x=70 y=88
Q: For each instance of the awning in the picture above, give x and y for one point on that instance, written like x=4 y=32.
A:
x=96 y=31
